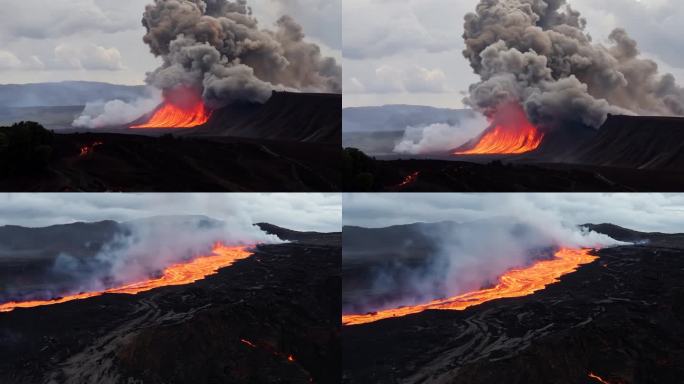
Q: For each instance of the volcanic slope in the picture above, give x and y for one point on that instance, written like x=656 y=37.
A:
x=301 y=117
x=99 y=162
x=618 y=318
x=628 y=153
x=273 y=317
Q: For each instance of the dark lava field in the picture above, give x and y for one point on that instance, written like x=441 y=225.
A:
x=620 y=318
x=289 y=144
x=271 y=318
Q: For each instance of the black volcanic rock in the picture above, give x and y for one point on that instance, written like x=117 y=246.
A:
x=637 y=142
x=300 y=237
x=286 y=116
x=136 y=163
x=271 y=318
x=620 y=317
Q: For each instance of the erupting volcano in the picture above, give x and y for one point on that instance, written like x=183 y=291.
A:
x=510 y=132
x=177 y=274
x=173 y=116
x=182 y=108
x=514 y=283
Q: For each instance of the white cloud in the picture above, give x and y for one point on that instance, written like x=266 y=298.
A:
x=299 y=211
x=39 y=19
x=88 y=56
x=638 y=211
x=390 y=79
x=9 y=60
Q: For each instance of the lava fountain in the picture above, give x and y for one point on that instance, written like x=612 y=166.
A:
x=510 y=132
x=176 y=274
x=182 y=108
x=514 y=283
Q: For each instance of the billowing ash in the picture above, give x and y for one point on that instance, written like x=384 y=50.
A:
x=218 y=48
x=537 y=53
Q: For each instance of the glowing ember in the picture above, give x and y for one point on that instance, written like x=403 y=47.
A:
x=270 y=349
x=173 y=116
x=598 y=378
x=514 y=283
x=177 y=274
x=87 y=150
x=510 y=133
x=410 y=179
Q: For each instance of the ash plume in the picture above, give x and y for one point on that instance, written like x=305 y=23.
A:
x=218 y=48
x=537 y=53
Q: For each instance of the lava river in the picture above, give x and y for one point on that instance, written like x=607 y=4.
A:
x=177 y=274
x=510 y=133
x=170 y=115
x=514 y=283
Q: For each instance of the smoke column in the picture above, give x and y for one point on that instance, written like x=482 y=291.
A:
x=537 y=53
x=217 y=49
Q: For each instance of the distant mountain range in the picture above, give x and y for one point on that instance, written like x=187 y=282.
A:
x=66 y=93
x=398 y=117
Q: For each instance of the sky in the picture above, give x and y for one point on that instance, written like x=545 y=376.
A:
x=409 y=51
x=297 y=211
x=101 y=40
x=637 y=211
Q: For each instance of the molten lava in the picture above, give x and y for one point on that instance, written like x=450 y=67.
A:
x=514 y=283
x=170 y=115
x=598 y=378
x=408 y=180
x=88 y=150
x=177 y=274
x=510 y=133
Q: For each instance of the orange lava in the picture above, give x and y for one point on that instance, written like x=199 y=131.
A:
x=173 y=116
x=87 y=150
x=511 y=133
x=410 y=179
x=177 y=274
x=514 y=283
x=598 y=378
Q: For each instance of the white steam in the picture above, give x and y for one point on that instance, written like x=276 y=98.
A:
x=440 y=137
x=468 y=256
x=114 y=113
x=146 y=247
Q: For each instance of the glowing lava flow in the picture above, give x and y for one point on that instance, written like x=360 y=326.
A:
x=88 y=150
x=598 y=378
x=177 y=274
x=410 y=179
x=514 y=283
x=510 y=133
x=172 y=116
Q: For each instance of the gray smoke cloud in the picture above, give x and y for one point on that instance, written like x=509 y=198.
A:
x=537 y=53
x=218 y=48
